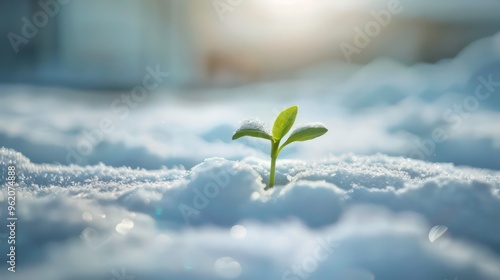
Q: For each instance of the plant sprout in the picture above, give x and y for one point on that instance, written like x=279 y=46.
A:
x=282 y=125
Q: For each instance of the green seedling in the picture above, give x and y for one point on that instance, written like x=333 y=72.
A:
x=282 y=125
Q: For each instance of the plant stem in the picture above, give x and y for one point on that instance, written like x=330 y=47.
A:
x=273 y=170
x=274 y=156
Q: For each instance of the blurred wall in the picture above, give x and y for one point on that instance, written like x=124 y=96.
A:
x=20 y=66
x=108 y=43
x=93 y=43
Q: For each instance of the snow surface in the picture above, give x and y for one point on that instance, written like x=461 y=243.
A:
x=373 y=213
x=165 y=194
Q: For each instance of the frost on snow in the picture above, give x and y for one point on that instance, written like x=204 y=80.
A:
x=363 y=214
x=256 y=124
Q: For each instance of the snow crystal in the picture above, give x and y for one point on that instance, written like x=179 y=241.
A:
x=215 y=221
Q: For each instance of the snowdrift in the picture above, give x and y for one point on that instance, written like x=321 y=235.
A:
x=349 y=217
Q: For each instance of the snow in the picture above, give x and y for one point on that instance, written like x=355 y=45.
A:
x=253 y=124
x=378 y=216
x=165 y=194
x=384 y=107
x=307 y=126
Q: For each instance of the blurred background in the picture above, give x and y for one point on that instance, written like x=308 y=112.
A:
x=107 y=44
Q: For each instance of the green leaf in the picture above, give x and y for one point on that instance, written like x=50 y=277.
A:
x=305 y=133
x=253 y=133
x=253 y=128
x=284 y=122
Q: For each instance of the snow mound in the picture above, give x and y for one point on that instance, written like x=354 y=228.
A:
x=347 y=217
